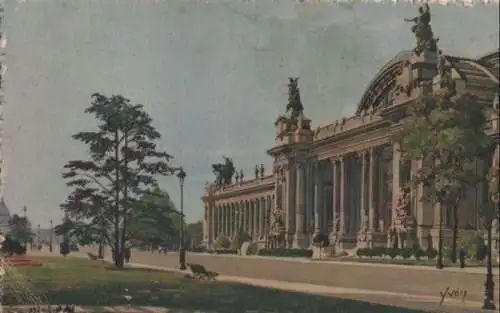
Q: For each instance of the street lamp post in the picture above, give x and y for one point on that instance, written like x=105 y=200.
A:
x=439 y=264
x=489 y=285
x=51 y=235
x=38 y=237
x=181 y=174
x=25 y=214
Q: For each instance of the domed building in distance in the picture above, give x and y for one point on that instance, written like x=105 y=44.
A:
x=4 y=217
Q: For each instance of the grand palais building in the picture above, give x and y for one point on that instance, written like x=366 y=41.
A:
x=344 y=179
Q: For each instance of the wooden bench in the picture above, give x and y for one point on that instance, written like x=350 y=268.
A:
x=93 y=257
x=200 y=272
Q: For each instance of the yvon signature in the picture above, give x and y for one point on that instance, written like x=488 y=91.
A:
x=449 y=292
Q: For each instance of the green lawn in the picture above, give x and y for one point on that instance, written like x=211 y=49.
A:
x=91 y=283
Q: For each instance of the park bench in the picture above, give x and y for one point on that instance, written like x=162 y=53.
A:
x=200 y=272
x=93 y=257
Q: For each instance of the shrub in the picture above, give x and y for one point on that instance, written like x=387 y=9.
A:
x=252 y=249
x=238 y=239
x=284 y=252
x=64 y=247
x=406 y=253
x=12 y=246
x=472 y=243
x=379 y=251
x=418 y=252
x=393 y=252
x=431 y=253
x=222 y=242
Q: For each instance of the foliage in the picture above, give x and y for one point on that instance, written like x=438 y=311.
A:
x=222 y=242
x=406 y=253
x=470 y=242
x=284 y=252
x=252 y=249
x=13 y=246
x=431 y=253
x=239 y=238
x=123 y=163
x=393 y=252
x=194 y=232
x=447 y=132
x=64 y=247
x=20 y=229
x=155 y=220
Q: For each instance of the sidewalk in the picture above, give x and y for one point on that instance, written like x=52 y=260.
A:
x=420 y=301
x=467 y=270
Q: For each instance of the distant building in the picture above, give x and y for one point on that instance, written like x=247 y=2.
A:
x=4 y=217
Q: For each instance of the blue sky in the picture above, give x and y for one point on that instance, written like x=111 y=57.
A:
x=212 y=74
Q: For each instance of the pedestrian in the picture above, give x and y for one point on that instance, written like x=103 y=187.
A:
x=127 y=255
x=461 y=257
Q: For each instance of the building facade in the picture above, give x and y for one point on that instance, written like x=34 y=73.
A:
x=344 y=179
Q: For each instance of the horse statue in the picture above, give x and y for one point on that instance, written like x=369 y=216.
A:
x=294 y=103
x=224 y=172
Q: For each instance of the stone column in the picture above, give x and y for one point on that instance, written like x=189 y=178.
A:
x=371 y=192
x=396 y=162
x=262 y=207
x=299 y=207
x=335 y=208
x=232 y=223
x=256 y=211
x=219 y=220
x=317 y=200
x=213 y=218
x=342 y=204
x=239 y=216
x=251 y=226
x=244 y=213
x=363 y=209
x=205 y=222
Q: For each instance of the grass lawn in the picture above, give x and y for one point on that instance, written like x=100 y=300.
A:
x=94 y=283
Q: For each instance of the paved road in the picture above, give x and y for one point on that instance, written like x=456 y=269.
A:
x=383 y=278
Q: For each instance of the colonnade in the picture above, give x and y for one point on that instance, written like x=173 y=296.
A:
x=355 y=193
x=249 y=216
x=344 y=196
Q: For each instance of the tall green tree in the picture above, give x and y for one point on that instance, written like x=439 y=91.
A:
x=123 y=163
x=20 y=229
x=153 y=222
x=447 y=132
x=194 y=233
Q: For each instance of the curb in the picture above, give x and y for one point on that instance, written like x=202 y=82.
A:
x=470 y=270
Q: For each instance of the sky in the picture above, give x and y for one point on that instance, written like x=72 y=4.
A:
x=212 y=74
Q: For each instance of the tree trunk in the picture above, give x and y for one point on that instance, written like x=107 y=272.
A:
x=454 y=241
x=118 y=252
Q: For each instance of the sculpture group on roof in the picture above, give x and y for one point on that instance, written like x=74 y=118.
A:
x=423 y=31
x=223 y=172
